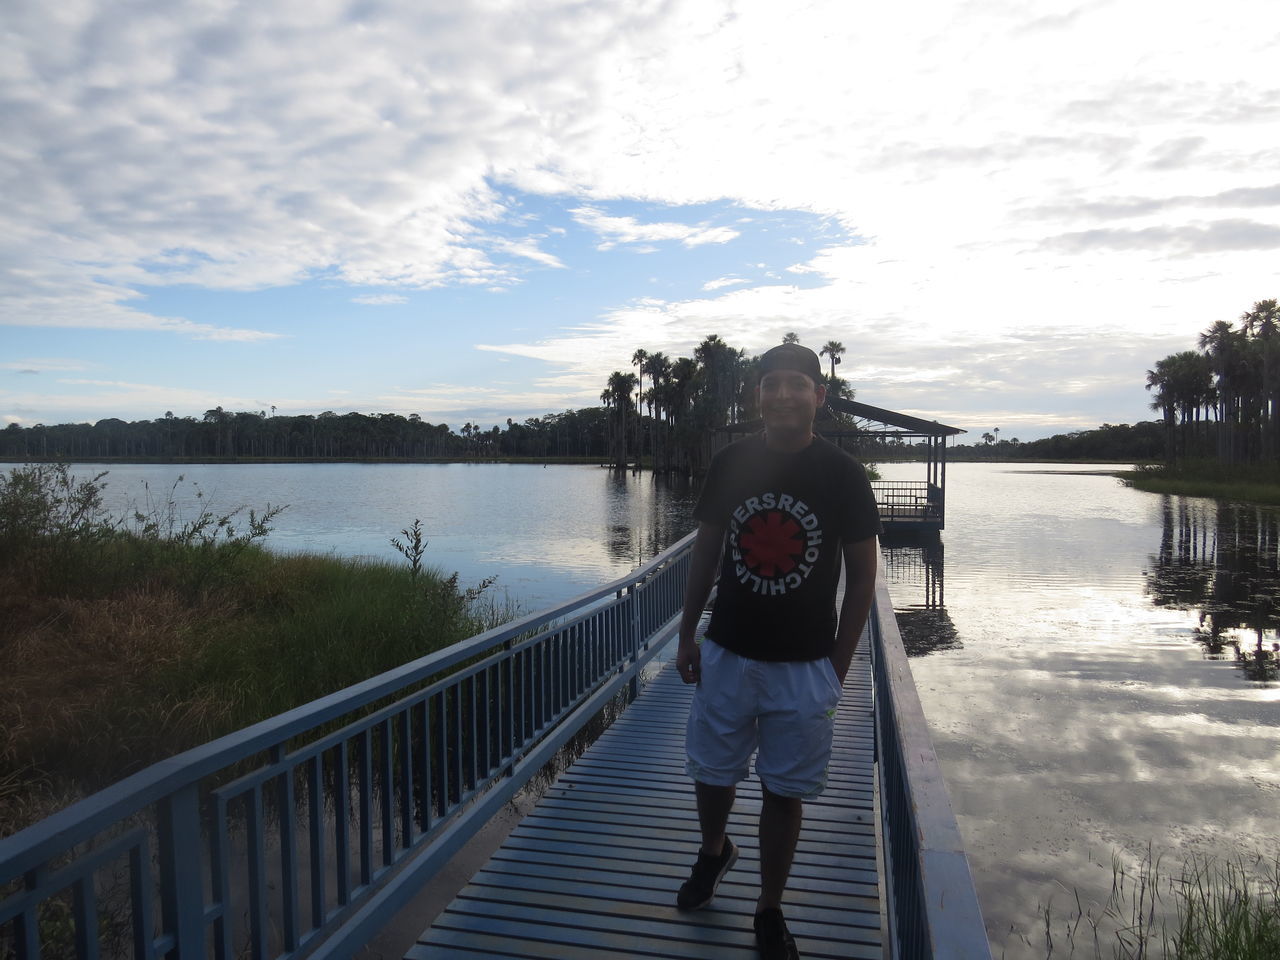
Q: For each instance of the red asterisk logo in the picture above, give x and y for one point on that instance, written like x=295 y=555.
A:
x=771 y=543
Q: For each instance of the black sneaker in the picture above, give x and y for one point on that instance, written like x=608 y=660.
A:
x=696 y=892
x=773 y=938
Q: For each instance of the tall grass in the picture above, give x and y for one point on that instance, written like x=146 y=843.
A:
x=1209 y=909
x=1250 y=483
x=124 y=640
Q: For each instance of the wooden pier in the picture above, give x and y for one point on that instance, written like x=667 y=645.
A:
x=593 y=870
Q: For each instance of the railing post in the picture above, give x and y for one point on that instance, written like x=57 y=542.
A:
x=181 y=885
x=633 y=639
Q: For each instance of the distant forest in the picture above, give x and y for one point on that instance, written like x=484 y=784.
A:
x=1138 y=442
x=665 y=413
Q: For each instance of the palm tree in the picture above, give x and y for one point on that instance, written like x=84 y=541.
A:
x=1183 y=385
x=832 y=349
x=658 y=367
x=638 y=360
x=1222 y=343
x=718 y=363
x=680 y=398
x=790 y=338
x=1162 y=400
x=1263 y=323
x=617 y=397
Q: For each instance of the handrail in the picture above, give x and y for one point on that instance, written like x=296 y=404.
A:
x=333 y=814
x=932 y=905
x=910 y=499
x=301 y=836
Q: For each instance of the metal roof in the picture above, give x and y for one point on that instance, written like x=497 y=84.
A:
x=927 y=428
x=911 y=426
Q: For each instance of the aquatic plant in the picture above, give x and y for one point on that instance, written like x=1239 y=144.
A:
x=1208 y=909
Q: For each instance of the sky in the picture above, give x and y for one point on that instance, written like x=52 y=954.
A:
x=1005 y=211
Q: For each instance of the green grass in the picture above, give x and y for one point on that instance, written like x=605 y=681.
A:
x=1209 y=478
x=1210 y=909
x=126 y=640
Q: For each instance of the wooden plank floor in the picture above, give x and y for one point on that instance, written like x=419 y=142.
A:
x=592 y=872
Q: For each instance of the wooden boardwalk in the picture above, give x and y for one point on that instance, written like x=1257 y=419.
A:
x=592 y=872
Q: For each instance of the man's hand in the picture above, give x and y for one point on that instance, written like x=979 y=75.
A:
x=860 y=561
x=702 y=573
x=689 y=661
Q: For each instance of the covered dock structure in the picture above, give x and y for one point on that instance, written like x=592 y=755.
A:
x=909 y=509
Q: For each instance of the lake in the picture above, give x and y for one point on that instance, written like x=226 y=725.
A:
x=546 y=534
x=1097 y=664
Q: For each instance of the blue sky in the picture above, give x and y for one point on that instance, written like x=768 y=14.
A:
x=478 y=211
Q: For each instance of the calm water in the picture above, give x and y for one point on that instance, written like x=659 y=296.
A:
x=546 y=533
x=1094 y=682
x=1096 y=663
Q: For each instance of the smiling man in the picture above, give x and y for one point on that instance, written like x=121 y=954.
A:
x=778 y=514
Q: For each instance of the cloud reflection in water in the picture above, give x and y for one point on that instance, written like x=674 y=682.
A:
x=1076 y=715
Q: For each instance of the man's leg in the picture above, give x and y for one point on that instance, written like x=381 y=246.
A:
x=719 y=740
x=718 y=853
x=714 y=806
x=780 y=819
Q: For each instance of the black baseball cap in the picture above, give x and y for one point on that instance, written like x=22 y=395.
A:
x=792 y=356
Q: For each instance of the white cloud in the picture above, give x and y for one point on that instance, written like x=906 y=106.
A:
x=187 y=144
x=528 y=248
x=43 y=365
x=723 y=282
x=1049 y=170
x=617 y=230
x=85 y=399
x=380 y=299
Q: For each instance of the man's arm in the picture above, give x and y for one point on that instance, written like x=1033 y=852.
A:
x=702 y=574
x=860 y=560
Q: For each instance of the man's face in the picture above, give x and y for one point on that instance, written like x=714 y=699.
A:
x=789 y=400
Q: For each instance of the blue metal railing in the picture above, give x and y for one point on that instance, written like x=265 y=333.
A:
x=932 y=907
x=908 y=500
x=304 y=834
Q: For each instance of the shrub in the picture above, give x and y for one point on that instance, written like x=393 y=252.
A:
x=123 y=641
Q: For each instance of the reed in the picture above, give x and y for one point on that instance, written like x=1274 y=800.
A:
x=125 y=640
x=1208 y=909
x=1208 y=478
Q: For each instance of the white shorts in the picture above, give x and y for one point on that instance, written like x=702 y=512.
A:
x=786 y=709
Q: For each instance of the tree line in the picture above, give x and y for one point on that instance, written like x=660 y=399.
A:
x=668 y=410
x=1223 y=400
x=221 y=434
x=664 y=411
x=1136 y=442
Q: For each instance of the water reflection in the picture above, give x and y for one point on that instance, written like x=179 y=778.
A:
x=1222 y=560
x=546 y=534
x=645 y=515
x=1079 y=720
x=914 y=575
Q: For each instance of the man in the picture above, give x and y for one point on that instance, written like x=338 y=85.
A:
x=787 y=507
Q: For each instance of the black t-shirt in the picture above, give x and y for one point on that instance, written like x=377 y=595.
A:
x=786 y=517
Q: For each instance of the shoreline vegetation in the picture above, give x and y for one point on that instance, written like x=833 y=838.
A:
x=125 y=640
x=1220 y=407
x=664 y=415
x=1211 y=479
x=1203 y=909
